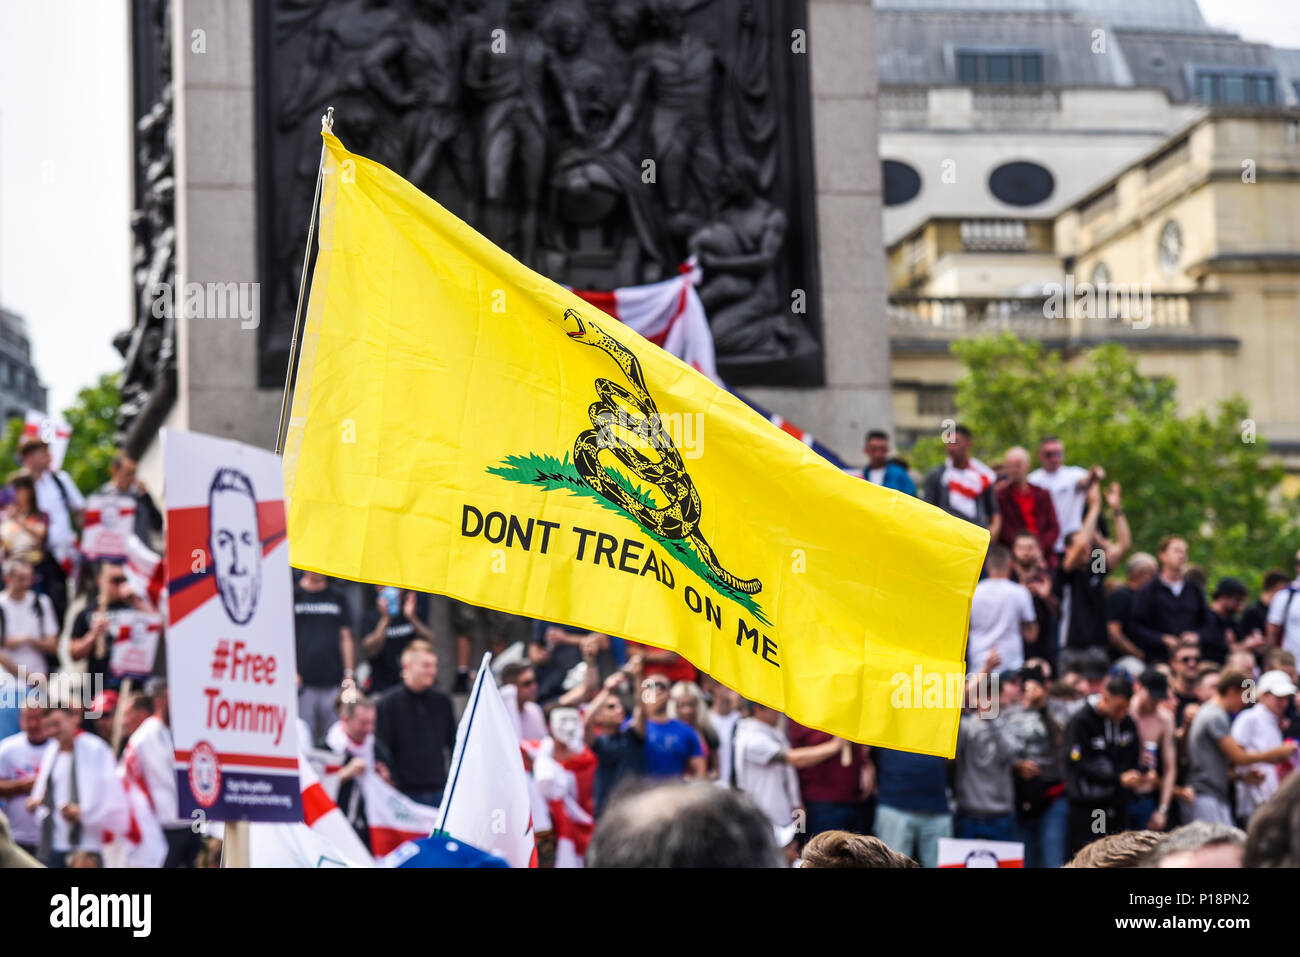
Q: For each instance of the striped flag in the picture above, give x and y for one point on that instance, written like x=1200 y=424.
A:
x=146 y=573
x=142 y=843
x=323 y=839
x=393 y=817
x=53 y=430
x=668 y=313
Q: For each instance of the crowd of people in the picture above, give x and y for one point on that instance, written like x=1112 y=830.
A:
x=1118 y=709
x=1139 y=704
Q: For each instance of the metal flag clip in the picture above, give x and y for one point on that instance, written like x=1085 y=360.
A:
x=327 y=121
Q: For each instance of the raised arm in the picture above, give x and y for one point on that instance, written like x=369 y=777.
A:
x=1081 y=544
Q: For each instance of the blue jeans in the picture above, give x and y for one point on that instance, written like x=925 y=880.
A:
x=912 y=833
x=1140 y=810
x=998 y=827
x=834 y=816
x=1046 y=837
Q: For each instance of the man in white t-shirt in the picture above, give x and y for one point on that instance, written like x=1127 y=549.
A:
x=762 y=771
x=57 y=496
x=77 y=795
x=724 y=716
x=31 y=631
x=1001 y=614
x=1284 y=616
x=1067 y=484
x=766 y=768
x=1259 y=728
x=20 y=761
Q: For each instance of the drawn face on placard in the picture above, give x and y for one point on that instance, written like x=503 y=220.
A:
x=235 y=543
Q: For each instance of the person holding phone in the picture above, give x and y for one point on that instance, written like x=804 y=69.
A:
x=387 y=628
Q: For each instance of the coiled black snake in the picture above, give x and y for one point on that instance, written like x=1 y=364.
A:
x=679 y=518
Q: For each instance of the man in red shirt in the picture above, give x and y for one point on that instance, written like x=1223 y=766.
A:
x=834 y=789
x=1025 y=507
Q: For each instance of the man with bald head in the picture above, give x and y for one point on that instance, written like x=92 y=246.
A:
x=1025 y=507
x=683 y=824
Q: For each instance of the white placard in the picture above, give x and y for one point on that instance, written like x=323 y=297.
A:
x=956 y=852
x=231 y=669
x=135 y=642
x=107 y=523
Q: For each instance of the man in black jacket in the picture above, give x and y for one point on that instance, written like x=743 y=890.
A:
x=1102 y=751
x=415 y=728
x=1169 y=606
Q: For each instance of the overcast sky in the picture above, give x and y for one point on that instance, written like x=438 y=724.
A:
x=65 y=190
x=65 y=193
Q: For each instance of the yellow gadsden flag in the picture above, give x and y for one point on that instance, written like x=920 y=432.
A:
x=462 y=425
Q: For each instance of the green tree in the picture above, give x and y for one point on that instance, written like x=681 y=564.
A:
x=93 y=418
x=1203 y=476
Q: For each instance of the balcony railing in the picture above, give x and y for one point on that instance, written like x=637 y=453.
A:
x=994 y=235
x=1016 y=101
x=1111 y=312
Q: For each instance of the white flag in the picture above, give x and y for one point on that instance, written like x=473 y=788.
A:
x=486 y=802
x=324 y=839
x=294 y=845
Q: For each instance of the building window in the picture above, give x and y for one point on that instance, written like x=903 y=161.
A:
x=938 y=400
x=968 y=69
x=902 y=182
x=1235 y=88
x=1002 y=68
x=1171 y=247
x=1021 y=183
x=997 y=69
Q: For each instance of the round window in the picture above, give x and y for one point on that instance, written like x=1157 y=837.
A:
x=1021 y=183
x=901 y=182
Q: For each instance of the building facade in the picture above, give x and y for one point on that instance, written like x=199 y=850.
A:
x=1029 y=145
x=1189 y=257
x=20 y=385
